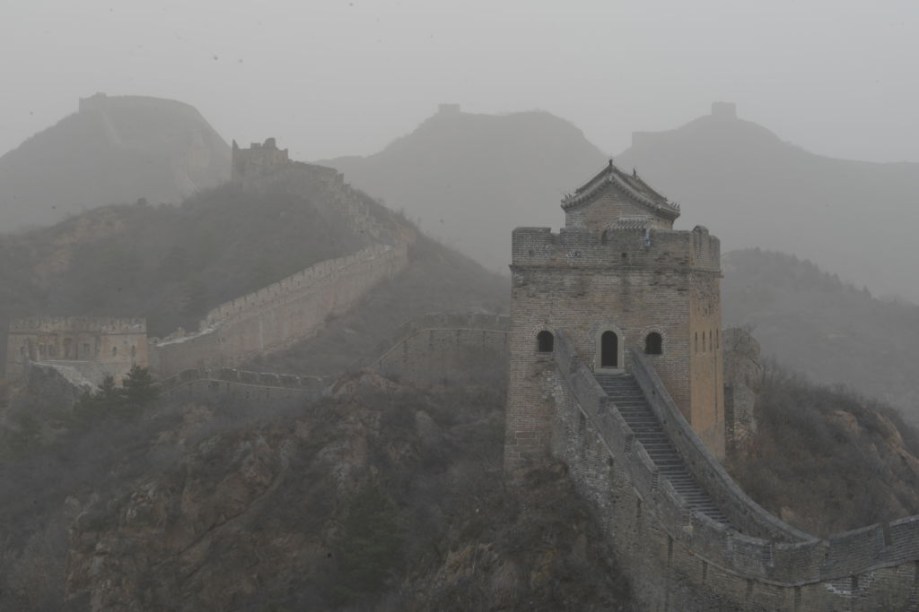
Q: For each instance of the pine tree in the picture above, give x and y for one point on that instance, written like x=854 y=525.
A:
x=139 y=387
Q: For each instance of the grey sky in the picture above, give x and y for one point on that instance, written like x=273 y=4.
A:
x=329 y=78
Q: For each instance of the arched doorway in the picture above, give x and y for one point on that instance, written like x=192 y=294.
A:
x=609 y=350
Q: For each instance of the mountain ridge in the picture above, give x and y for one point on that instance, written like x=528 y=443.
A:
x=474 y=177
x=114 y=149
x=752 y=189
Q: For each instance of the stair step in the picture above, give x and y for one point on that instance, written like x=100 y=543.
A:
x=625 y=393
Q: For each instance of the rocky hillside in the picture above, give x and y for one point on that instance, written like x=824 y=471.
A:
x=816 y=325
x=469 y=179
x=751 y=189
x=827 y=460
x=114 y=150
x=380 y=497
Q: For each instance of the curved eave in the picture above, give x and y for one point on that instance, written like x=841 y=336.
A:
x=661 y=207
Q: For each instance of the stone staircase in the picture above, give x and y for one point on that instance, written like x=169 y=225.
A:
x=624 y=391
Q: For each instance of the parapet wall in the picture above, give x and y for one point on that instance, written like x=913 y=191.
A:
x=681 y=559
x=242 y=386
x=447 y=348
x=648 y=249
x=281 y=314
x=100 y=325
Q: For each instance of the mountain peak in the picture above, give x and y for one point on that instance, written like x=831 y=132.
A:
x=114 y=149
x=471 y=178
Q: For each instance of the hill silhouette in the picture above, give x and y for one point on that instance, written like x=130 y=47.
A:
x=114 y=150
x=171 y=264
x=469 y=179
x=753 y=190
x=815 y=324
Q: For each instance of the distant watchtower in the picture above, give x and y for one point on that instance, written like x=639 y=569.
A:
x=617 y=278
x=258 y=159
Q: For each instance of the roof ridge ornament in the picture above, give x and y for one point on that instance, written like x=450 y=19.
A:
x=632 y=187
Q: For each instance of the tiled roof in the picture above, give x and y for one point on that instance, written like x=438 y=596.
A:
x=629 y=185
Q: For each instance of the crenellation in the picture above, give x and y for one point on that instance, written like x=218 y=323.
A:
x=94 y=346
x=258 y=160
x=617 y=249
x=269 y=320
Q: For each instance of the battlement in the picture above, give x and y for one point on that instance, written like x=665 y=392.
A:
x=96 y=346
x=621 y=247
x=96 y=325
x=258 y=159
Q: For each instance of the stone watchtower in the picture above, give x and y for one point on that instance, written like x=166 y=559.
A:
x=616 y=279
x=258 y=160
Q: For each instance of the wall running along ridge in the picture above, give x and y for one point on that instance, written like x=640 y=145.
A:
x=281 y=314
x=442 y=349
x=249 y=388
x=679 y=559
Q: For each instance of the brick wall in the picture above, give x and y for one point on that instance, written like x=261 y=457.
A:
x=107 y=345
x=240 y=386
x=626 y=281
x=280 y=315
x=446 y=349
x=680 y=560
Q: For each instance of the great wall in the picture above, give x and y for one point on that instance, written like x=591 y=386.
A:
x=688 y=537
x=685 y=534
x=280 y=315
x=269 y=319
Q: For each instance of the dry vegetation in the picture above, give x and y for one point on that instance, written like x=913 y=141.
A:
x=828 y=460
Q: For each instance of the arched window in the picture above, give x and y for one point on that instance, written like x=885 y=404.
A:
x=114 y=351
x=609 y=350
x=654 y=344
x=545 y=341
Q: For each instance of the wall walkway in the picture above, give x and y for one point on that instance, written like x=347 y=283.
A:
x=279 y=315
x=678 y=558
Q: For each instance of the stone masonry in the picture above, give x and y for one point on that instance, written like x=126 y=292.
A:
x=96 y=347
x=616 y=369
x=616 y=278
x=258 y=160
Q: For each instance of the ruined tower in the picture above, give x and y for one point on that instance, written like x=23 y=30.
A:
x=258 y=159
x=616 y=279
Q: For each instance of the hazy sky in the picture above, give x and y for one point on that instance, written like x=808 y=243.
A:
x=329 y=78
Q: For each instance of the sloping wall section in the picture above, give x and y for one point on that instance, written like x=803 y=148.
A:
x=678 y=559
x=279 y=315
